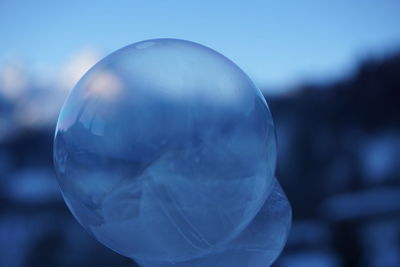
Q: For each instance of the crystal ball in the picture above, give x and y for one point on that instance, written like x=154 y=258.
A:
x=165 y=150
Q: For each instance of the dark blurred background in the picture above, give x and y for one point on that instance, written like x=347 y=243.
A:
x=329 y=71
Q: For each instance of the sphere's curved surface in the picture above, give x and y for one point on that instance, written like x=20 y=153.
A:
x=164 y=150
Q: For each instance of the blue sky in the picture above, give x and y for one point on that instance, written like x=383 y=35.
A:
x=278 y=43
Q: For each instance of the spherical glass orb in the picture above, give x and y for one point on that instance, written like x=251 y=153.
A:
x=165 y=150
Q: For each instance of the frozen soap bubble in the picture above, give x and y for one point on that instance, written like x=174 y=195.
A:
x=165 y=151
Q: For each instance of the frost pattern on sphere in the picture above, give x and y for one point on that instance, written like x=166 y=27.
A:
x=165 y=152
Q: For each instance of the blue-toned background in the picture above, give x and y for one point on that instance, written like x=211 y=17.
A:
x=330 y=71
